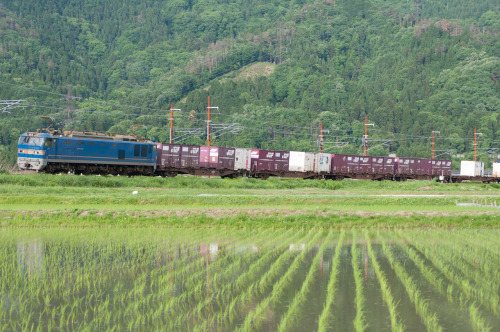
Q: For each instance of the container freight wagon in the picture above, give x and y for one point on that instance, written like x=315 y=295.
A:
x=243 y=160
x=471 y=168
x=377 y=167
x=265 y=163
x=323 y=163
x=441 y=169
x=496 y=169
x=281 y=161
x=190 y=156
x=297 y=161
x=169 y=156
x=226 y=158
x=407 y=168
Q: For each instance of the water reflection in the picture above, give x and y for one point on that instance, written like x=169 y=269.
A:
x=215 y=282
x=30 y=257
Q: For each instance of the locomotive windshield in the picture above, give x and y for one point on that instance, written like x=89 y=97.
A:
x=28 y=140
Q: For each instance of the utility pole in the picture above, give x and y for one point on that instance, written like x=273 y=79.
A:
x=321 y=138
x=171 y=123
x=437 y=132
x=209 y=121
x=172 y=109
x=365 y=138
x=475 y=143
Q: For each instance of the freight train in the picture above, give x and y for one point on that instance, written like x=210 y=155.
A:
x=94 y=153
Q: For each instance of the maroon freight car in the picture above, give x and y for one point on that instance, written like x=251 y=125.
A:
x=281 y=161
x=169 y=156
x=265 y=161
x=190 y=156
x=389 y=166
x=424 y=167
x=365 y=165
x=209 y=157
x=441 y=168
x=407 y=167
x=378 y=165
x=226 y=158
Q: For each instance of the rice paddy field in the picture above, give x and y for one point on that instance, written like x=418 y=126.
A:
x=193 y=254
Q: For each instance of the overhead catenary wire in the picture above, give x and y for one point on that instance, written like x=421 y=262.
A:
x=312 y=130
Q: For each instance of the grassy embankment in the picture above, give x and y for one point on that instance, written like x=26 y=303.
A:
x=88 y=200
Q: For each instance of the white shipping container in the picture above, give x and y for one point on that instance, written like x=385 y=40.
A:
x=242 y=159
x=323 y=162
x=297 y=161
x=496 y=170
x=310 y=162
x=471 y=168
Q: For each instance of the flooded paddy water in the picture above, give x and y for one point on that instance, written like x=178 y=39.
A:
x=251 y=279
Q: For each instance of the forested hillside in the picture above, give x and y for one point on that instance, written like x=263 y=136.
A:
x=275 y=69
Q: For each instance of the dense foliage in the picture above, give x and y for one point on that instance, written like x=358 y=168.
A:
x=274 y=68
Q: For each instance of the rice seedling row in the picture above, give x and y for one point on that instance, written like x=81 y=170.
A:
x=448 y=266
x=290 y=317
x=385 y=288
x=254 y=318
x=434 y=278
x=234 y=305
x=326 y=314
x=477 y=258
x=476 y=255
x=416 y=296
x=221 y=282
x=359 y=321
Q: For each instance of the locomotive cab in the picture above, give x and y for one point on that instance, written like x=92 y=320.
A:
x=32 y=151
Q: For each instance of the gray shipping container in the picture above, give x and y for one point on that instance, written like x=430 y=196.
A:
x=243 y=159
x=297 y=161
x=310 y=162
x=323 y=162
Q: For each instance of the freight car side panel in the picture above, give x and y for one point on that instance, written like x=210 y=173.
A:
x=377 y=165
x=281 y=161
x=255 y=159
x=407 y=166
x=352 y=164
x=204 y=157
x=424 y=167
x=266 y=160
x=214 y=157
x=365 y=165
x=389 y=165
x=190 y=156
x=226 y=158
x=171 y=156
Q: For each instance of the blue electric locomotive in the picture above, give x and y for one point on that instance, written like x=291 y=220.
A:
x=86 y=153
